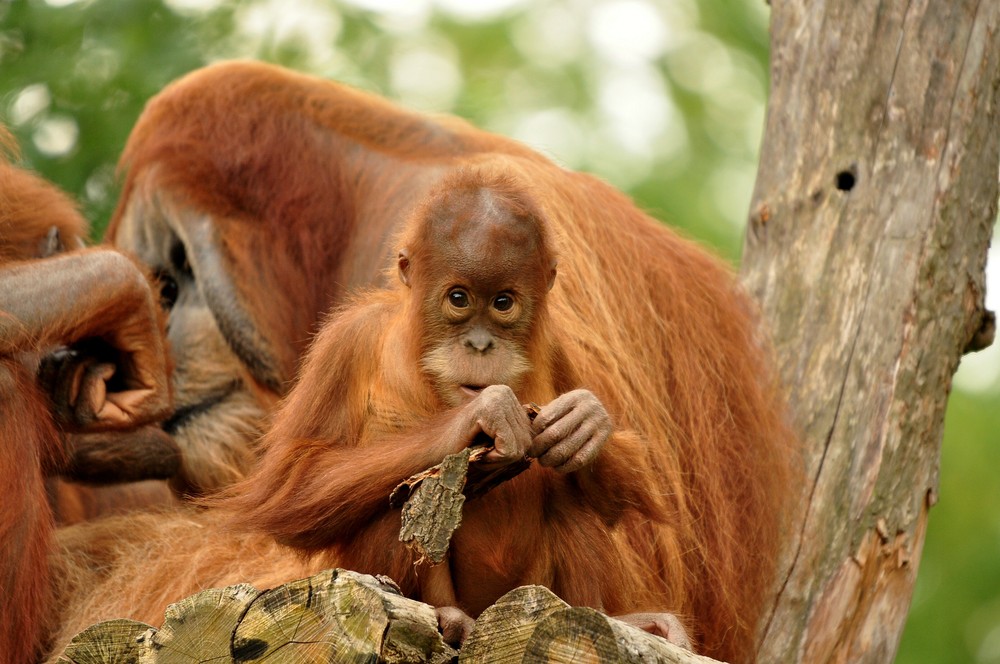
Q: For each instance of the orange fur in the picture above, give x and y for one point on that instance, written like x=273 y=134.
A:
x=646 y=320
x=30 y=448
x=29 y=207
x=32 y=323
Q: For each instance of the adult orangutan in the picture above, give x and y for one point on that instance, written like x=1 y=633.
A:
x=266 y=195
x=256 y=222
x=110 y=373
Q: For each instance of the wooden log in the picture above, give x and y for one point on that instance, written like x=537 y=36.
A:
x=340 y=616
x=502 y=631
x=336 y=616
x=111 y=641
x=199 y=628
x=531 y=625
x=344 y=616
x=580 y=635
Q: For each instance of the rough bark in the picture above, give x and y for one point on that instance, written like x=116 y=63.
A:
x=866 y=248
x=432 y=500
x=433 y=510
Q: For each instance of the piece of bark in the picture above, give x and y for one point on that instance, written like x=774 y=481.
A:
x=108 y=642
x=434 y=509
x=408 y=487
x=432 y=500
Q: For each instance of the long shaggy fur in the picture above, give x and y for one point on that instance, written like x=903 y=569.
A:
x=152 y=560
x=32 y=448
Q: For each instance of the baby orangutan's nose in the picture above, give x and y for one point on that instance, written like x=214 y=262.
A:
x=479 y=339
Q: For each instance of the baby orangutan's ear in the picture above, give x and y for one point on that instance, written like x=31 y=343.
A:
x=404 y=267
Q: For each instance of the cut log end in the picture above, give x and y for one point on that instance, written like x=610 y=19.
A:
x=336 y=616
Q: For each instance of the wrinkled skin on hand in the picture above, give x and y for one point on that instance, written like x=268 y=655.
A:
x=570 y=431
x=566 y=435
x=99 y=304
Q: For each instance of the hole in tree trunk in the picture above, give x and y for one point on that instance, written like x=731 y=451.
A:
x=846 y=179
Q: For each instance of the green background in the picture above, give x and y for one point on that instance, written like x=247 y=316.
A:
x=665 y=99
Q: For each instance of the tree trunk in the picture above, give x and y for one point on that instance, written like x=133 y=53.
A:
x=866 y=248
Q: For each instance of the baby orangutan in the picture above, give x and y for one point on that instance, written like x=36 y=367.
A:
x=403 y=377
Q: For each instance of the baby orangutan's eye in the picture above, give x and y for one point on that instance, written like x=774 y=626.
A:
x=458 y=298
x=503 y=302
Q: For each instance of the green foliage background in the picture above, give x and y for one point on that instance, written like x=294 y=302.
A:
x=74 y=77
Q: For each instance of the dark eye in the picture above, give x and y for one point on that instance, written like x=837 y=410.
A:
x=503 y=302
x=458 y=298
x=168 y=290
x=179 y=259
